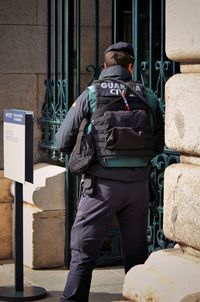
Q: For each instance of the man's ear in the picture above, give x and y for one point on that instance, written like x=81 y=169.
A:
x=130 y=68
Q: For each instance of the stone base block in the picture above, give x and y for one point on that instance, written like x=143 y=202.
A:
x=48 y=189
x=5 y=217
x=182 y=205
x=167 y=276
x=5 y=193
x=5 y=230
x=44 y=237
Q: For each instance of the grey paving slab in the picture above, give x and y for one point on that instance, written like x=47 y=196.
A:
x=106 y=284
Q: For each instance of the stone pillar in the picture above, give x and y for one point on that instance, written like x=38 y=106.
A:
x=44 y=217
x=174 y=274
x=5 y=218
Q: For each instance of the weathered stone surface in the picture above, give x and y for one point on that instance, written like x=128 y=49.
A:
x=88 y=53
x=190 y=68
x=5 y=230
x=26 y=12
x=48 y=190
x=190 y=250
x=44 y=237
x=182 y=205
x=1 y=145
x=29 y=43
x=89 y=19
x=182 y=30
x=167 y=275
x=42 y=12
x=5 y=193
x=6 y=199
x=190 y=160
x=182 y=121
x=18 y=91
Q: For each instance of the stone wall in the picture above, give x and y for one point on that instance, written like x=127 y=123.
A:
x=23 y=55
x=23 y=63
x=171 y=275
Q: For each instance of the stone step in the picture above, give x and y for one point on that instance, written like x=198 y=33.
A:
x=167 y=276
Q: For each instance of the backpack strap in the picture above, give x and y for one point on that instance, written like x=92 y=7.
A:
x=77 y=147
x=92 y=100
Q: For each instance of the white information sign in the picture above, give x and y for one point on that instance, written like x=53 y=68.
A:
x=17 y=128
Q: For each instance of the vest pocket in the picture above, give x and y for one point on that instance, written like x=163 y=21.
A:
x=124 y=129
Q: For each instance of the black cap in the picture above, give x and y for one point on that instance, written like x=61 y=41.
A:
x=121 y=46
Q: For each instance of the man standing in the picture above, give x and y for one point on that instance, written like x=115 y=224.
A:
x=127 y=134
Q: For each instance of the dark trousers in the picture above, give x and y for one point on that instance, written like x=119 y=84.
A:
x=129 y=202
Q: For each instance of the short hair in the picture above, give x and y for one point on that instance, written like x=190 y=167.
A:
x=122 y=58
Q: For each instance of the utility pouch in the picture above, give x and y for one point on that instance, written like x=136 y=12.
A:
x=125 y=129
x=83 y=153
x=88 y=185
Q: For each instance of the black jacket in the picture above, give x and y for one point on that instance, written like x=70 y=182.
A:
x=66 y=135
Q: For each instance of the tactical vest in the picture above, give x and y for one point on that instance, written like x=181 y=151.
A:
x=122 y=134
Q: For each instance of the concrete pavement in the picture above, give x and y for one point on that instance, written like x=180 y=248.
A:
x=106 y=285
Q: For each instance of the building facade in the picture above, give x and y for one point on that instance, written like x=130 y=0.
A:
x=50 y=51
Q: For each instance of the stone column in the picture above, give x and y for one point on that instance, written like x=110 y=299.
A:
x=174 y=274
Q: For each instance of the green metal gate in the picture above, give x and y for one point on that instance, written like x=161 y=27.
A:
x=141 y=23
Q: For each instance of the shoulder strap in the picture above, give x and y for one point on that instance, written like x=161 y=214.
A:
x=77 y=147
x=100 y=111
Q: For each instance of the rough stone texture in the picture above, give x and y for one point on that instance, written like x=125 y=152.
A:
x=27 y=14
x=42 y=12
x=41 y=93
x=167 y=275
x=190 y=160
x=48 y=189
x=5 y=193
x=5 y=230
x=5 y=217
x=183 y=30
x=44 y=237
x=88 y=18
x=182 y=123
x=29 y=43
x=189 y=250
x=88 y=53
x=18 y=91
x=188 y=68
x=182 y=205
x=1 y=145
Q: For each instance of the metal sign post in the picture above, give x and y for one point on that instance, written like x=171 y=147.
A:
x=18 y=165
